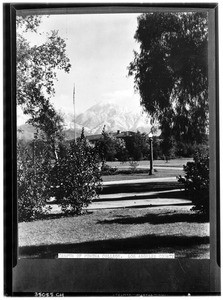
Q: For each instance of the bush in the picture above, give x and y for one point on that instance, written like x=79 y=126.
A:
x=133 y=165
x=185 y=149
x=32 y=182
x=107 y=170
x=73 y=178
x=130 y=171
x=196 y=181
x=76 y=177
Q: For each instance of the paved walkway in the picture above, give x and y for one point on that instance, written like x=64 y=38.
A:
x=134 y=199
x=142 y=180
x=148 y=167
x=135 y=194
x=138 y=203
x=140 y=199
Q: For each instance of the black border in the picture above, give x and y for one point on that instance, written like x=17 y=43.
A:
x=10 y=214
x=37 y=5
x=97 y=277
x=218 y=207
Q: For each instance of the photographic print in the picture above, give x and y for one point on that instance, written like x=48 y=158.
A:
x=113 y=134
x=113 y=143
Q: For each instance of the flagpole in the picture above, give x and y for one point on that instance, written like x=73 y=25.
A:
x=74 y=113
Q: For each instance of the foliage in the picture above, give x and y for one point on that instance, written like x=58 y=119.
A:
x=121 y=151
x=133 y=165
x=131 y=171
x=196 y=181
x=170 y=72
x=73 y=177
x=137 y=146
x=168 y=147
x=157 y=151
x=32 y=180
x=164 y=148
x=134 y=147
x=186 y=149
x=36 y=73
x=111 y=148
x=107 y=170
x=76 y=177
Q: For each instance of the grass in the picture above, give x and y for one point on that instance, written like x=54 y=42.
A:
x=156 y=174
x=144 y=173
x=144 y=230
x=179 y=162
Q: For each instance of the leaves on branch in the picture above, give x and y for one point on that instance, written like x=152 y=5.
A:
x=36 y=73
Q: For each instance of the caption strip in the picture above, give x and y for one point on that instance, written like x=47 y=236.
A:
x=116 y=256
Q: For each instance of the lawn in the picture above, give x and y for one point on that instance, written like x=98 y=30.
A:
x=172 y=168
x=179 y=162
x=174 y=229
x=158 y=173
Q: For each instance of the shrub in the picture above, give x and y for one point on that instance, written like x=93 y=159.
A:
x=129 y=171
x=133 y=165
x=32 y=182
x=107 y=170
x=185 y=149
x=76 y=177
x=73 y=178
x=196 y=181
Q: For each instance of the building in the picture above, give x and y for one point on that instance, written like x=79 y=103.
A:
x=119 y=134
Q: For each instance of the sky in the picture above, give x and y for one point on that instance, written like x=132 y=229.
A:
x=100 y=48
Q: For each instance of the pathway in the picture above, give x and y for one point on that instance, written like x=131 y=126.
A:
x=113 y=199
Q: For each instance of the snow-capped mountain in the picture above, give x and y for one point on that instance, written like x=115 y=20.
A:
x=114 y=117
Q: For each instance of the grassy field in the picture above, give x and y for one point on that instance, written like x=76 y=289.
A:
x=158 y=173
x=179 y=162
x=172 y=168
x=147 y=230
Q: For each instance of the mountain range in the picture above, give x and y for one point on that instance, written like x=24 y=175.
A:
x=114 y=117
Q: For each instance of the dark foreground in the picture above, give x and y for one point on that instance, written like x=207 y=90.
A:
x=174 y=229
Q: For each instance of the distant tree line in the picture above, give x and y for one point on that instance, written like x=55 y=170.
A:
x=136 y=147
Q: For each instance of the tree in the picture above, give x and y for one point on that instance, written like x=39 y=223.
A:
x=36 y=74
x=110 y=148
x=170 y=72
x=137 y=146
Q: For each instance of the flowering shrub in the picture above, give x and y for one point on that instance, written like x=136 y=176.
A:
x=196 y=181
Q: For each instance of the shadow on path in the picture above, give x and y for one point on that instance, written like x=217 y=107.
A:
x=139 y=244
x=157 y=219
x=172 y=195
x=140 y=187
